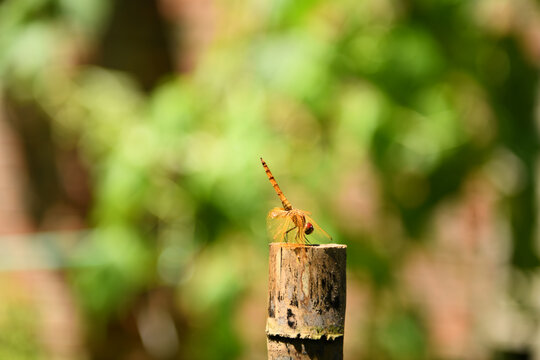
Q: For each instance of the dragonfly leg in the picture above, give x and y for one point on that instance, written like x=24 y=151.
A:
x=287 y=233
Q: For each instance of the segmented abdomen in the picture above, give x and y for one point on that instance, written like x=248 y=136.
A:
x=286 y=204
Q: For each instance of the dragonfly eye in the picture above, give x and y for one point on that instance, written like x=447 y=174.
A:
x=308 y=229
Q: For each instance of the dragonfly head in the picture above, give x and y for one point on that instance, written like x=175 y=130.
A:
x=308 y=229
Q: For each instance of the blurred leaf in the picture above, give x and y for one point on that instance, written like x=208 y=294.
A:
x=402 y=337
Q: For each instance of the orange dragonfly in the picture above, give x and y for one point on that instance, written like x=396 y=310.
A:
x=283 y=221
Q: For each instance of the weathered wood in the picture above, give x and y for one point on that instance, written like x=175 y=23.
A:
x=306 y=307
x=284 y=348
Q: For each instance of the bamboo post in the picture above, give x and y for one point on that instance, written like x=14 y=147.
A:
x=306 y=307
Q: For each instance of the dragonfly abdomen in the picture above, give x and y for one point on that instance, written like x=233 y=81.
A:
x=286 y=204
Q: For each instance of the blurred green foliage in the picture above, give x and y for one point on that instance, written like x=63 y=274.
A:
x=19 y=333
x=418 y=90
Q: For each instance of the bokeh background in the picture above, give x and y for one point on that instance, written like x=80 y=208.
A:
x=133 y=202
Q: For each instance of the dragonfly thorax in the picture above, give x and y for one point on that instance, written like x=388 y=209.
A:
x=298 y=218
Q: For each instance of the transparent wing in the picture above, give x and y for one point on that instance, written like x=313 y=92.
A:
x=280 y=225
x=318 y=235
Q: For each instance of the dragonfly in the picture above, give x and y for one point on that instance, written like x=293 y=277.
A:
x=289 y=222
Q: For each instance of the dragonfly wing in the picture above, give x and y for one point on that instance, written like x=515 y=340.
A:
x=318 y=235
x=278 y=224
